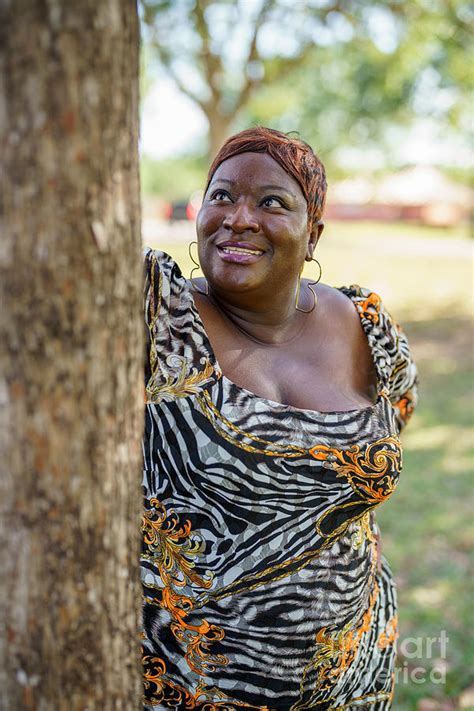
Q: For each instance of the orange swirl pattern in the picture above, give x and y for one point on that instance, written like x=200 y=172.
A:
x=371 y=471
x=172 y=546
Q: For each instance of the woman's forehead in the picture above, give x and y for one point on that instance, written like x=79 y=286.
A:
x=258 y=169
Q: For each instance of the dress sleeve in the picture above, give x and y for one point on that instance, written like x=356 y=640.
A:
x=403 y=380
x=162 y=283
x=391 y=354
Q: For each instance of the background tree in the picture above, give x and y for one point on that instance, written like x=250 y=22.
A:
x=215 y=51
x=344 y=74
x=70 y=356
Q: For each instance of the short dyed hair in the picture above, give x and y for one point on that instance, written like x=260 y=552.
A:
x=296 y=157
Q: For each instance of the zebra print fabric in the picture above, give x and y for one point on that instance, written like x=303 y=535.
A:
x=259 y=563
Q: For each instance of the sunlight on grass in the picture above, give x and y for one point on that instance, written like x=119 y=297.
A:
x=439 y=436
x=453 y=463
x=429 y=597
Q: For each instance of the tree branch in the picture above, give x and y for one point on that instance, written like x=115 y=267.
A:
x=252 y=55
x=287 y=64
x=166 y=61
x=212 y=63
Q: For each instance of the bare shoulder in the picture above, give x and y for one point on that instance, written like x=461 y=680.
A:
x=338 y=308
x=340 y=322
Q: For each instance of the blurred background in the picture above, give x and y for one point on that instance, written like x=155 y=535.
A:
x=383 y=92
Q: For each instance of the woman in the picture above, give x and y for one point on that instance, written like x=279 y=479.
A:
x=272 y=422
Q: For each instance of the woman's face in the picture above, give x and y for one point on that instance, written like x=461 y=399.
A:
x=252 y=227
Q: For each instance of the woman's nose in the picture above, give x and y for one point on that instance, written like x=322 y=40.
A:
x=241 y=218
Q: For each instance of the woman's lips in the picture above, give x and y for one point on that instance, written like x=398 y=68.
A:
x=239 y=254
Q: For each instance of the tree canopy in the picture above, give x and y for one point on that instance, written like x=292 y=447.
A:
x=338 y=72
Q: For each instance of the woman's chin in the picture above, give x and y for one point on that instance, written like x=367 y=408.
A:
x=234 y=279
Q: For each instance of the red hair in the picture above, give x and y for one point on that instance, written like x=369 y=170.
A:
x=295 y=157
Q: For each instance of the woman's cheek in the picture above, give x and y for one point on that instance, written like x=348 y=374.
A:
x=207 y=223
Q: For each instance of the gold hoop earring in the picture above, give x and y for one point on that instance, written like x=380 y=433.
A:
x=312 y=283
x=198 y=266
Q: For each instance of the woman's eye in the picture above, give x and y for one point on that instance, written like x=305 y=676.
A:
x=220 y=196
x=272 y=202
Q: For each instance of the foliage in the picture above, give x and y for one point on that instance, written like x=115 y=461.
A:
x=351 y=94
x=173 y=179
x=218 y=56
x=435 y=49
x=341 y=73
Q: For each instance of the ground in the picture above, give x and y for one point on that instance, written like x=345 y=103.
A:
x=424 y=275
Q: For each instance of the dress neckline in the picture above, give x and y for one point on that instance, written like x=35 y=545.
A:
x=280 y=406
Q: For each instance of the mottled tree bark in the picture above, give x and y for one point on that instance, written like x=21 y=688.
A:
x=71 y=396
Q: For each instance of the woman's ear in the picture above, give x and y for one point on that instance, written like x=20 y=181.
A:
x=316 y=232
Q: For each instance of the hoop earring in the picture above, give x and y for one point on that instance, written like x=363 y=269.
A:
x=312 y=283
x=206 y=293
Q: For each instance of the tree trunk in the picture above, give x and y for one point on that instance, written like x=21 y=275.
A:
x=71 y=394
x=219 y=130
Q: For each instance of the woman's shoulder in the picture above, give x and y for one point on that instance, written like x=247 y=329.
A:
x=161 y=269
x=347 y=308
x=355 y=306
x=356 y=303
x=387 y=340
x=341 y=305
x=156 y=258
x=335 y=296
x=164 y=285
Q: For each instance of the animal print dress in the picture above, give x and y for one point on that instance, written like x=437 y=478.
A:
x=259 y=565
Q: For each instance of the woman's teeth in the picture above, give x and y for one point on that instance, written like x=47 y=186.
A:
x=240 y=250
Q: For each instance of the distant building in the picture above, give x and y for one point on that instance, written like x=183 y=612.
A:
x=419 y=194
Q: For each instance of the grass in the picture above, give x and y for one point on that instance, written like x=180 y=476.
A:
x=427 y=526
x=425 y=278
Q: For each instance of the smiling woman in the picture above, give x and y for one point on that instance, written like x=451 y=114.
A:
x=272 y=433
x=240 y=211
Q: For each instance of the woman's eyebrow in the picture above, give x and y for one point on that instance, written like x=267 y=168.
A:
x=277 y=187
x=280 y=188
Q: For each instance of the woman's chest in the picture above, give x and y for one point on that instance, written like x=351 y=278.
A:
x=310 y=376
x=324 y=368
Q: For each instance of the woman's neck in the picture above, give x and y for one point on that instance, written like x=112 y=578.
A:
x=278 y=323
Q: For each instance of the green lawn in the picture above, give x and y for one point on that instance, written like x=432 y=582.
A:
x=427 y=526
x=425 y=278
